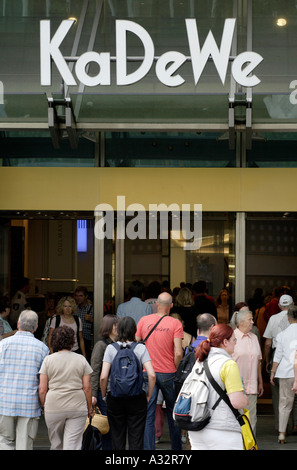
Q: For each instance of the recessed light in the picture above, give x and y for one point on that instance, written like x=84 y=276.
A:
x=281 y=22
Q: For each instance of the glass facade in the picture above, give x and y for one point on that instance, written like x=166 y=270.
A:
x=271 y=251
x=147 y=125
x=175 y=149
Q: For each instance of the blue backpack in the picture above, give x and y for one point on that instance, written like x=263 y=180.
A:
x=126 y=377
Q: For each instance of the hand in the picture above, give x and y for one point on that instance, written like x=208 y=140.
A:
x=294 y=388
x=91 y=413
x=94 y=401
x=88 y=318
x=260 y=390
x=272 y=378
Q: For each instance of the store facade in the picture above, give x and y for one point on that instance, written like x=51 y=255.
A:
x=177 y=108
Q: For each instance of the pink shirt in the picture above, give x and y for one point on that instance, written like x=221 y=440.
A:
x=247 y=354
x=160 y=344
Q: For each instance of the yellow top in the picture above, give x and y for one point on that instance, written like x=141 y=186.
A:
x=231 y=377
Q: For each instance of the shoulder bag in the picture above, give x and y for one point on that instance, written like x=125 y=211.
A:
x=248 y=437
x=144 y=340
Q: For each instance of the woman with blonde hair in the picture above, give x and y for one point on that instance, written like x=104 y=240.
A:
x=66 y=316
x=184 y=307
x=184 y=298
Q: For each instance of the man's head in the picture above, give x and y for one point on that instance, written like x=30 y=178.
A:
x=164 y=303
x=285 y=301
x=292 y=314
x=81 y=296
x=136 y=289
x=23 y=285
x=28 y=321
x=205 y=322
x=199 y=288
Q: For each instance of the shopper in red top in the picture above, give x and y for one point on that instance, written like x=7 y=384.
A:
x=165 y=349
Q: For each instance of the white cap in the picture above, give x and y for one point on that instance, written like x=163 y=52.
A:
x=285 y=300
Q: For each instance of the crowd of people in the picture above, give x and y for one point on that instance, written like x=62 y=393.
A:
x=58 y=369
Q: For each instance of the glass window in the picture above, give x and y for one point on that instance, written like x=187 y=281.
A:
x=146 y=259
x=273 y=150
x=163 y=259
x=148 y=98
x=274 y=37
x=271 y=251
x=176 y=149
x=214 y=262
x=36 y=149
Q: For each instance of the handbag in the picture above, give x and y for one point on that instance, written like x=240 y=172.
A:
x=99 y=421
x=248 y=437
x=91 y=438
x=249 y=440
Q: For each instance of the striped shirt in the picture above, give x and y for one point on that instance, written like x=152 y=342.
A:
x=87 y=327
x=21 y=356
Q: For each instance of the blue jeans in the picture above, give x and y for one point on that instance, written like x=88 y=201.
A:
x=164 y=382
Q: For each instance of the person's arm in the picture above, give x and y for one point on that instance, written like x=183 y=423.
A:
x=10 y=333
x=178 y=351
x=151 y=378
x=238 y=400
x=43 y=388
x=50 y=340
x=89 y=317
x=260 y=380
x=88 y=393
x=273 y=371
x=96 y=364
x=267 y=352
x=104 y=377
x=82 y=344
x=230 y=375
x=294 y=388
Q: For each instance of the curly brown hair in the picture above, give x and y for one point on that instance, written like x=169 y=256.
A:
x=63 y=337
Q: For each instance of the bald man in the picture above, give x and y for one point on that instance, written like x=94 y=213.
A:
x=165 y=348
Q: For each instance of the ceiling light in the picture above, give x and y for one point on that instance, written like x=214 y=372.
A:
x=281 y=22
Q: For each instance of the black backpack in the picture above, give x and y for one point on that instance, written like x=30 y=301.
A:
x=184 y=368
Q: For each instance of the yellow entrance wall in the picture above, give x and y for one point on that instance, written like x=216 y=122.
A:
x=217 y=189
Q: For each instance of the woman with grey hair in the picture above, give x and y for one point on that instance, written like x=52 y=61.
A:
x=65 y=392
x=248 y=356
x=283 y=368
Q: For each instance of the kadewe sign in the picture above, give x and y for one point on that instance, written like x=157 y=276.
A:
x=166 y=66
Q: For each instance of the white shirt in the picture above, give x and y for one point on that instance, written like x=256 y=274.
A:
x=286 y=345
x=276 y=324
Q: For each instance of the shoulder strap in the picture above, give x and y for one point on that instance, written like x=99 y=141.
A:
x=221 y=392
x=116 y=345
x=153 y=329
x=130 y=346
x=58 y=319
